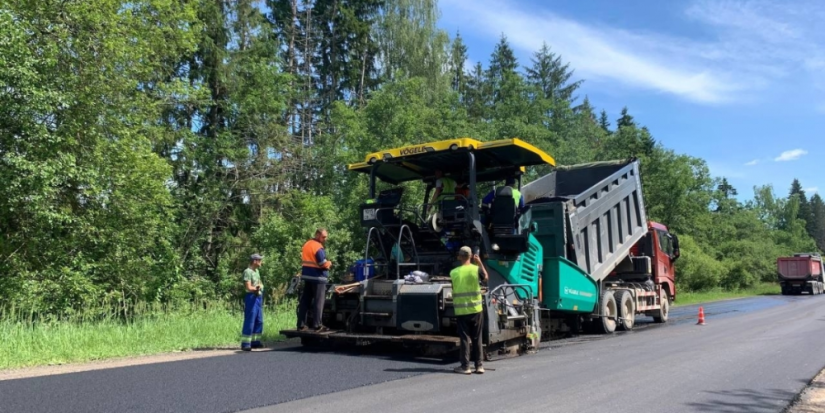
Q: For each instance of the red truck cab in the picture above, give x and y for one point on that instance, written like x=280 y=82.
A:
x=652 y=259
x=665 y=253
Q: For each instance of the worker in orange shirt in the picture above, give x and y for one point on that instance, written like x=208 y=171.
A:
x=315 y=274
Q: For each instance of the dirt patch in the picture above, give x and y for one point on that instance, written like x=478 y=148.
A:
x=27 y=372
x=812 y=398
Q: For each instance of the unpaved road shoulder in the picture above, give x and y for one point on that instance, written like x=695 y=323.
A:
x=812 y=398
x=27 y=372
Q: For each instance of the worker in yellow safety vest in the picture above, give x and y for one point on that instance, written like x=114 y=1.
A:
x=444 y=189
x=467 y=302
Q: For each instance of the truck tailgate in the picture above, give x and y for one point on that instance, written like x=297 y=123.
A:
x=798 y=267
x=603 y=212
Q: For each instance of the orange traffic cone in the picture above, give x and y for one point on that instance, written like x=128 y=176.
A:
x=701 y=317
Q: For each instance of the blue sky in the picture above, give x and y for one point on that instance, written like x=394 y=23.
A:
x=740 y=84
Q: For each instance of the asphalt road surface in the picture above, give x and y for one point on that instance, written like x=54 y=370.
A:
x=753 y=355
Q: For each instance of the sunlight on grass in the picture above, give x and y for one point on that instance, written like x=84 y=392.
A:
x=148 y=330
x=719 y=294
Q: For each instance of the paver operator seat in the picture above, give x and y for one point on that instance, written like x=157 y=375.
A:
x=507 y=233
x=503 y=212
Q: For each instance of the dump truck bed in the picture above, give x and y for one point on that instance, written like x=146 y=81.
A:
x=591 y=214
x=800 y=267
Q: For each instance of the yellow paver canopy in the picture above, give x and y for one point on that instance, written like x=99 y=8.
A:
x=494 y=160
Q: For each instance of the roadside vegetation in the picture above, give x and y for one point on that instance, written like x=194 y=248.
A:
x=718 y=294
x=148 y=147
x=103 y=333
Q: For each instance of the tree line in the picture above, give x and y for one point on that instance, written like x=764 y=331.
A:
x=147 y=147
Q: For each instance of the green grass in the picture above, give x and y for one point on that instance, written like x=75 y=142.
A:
x=149 y=330
x=719 y=294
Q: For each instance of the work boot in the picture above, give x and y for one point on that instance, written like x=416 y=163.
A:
x=245 y=348
x=303 y=328
x=257 y=344
x=321 y=329
x=462 y=370
x=479 y=369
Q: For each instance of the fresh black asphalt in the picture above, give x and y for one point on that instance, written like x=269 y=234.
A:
x=289 y=373
x=215 y=384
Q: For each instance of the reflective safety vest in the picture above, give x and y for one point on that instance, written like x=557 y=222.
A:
x=447 y=189
x=516 y=196
x=466 y=291
x=311 y=269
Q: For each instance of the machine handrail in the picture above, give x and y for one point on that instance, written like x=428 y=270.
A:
x=414 y=250
x=367 y=248
x=524 y=287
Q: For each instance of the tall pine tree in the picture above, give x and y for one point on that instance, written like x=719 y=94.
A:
x=458 y=57
x=818 y=221
x=604 y=122
x=625 y=120
x=551 y=76
x=804 y=212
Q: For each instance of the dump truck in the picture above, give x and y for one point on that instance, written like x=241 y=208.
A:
x=801 y=272
x=579 y=256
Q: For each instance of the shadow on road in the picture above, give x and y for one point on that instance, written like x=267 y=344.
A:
x=746 y=400
x=375 y=351
x=421 y=370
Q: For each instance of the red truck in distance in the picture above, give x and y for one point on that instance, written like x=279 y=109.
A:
x=801 y=273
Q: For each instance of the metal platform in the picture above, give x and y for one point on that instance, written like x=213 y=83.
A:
x=344 y=336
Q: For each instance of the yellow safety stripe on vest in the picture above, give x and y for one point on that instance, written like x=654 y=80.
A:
x=469 y=294
x=447 y=189
x=466 y=305
x=309 y=263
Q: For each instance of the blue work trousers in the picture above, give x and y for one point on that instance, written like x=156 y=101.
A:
x=253 y=320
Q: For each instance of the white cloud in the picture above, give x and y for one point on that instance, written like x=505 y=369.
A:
x=752 y=163
x=791 y=155
x=811 y=190
x=751 y=45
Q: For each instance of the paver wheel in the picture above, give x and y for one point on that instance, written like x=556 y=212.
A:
x=660 y=315
x=627 y=309
x=609 y=311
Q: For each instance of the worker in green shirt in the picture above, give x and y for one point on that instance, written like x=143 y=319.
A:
x=253 y=312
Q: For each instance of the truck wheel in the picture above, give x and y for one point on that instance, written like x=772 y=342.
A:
x=607 y=322
x=660 y=315
x=627 y=309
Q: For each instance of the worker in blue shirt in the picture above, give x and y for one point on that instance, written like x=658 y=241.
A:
x=487 y=201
